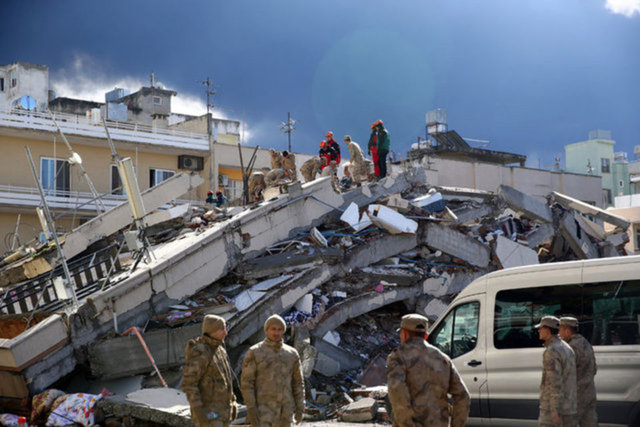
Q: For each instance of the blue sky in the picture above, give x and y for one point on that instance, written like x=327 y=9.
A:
x=527 y=75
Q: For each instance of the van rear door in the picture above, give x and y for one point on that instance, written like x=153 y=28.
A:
x=460 y=334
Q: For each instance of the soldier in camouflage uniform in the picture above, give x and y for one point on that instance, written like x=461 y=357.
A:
x=289 y=164
x=256 y=186
x=272 y=383
x=586 y=369
x=206 y=379
x=276 y=159
x=359 y=165
x=310 y=168
x=276 y=177
x=419 y=377
x=558 y=394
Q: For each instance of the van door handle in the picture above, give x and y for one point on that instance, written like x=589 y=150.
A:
x=474 y=363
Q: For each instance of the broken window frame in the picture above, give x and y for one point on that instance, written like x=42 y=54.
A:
x=154 y=179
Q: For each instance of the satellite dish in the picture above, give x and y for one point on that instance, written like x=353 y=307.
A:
x=25 y=102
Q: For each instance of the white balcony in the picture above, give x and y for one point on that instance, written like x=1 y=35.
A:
x=120 y=131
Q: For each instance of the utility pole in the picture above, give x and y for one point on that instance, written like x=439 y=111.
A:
x=288 y=127
x=213 y=168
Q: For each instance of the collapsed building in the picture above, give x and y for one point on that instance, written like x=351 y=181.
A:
x=341 y=268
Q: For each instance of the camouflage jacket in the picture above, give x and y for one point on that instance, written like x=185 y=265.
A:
x=206 y=379
x=289 y=162
x=419 y=377
x=276 y=161
x=355 y=153
x=274 y=177
x=272 y=383
x=558 y=387
x=586 y=369
x=310 y=168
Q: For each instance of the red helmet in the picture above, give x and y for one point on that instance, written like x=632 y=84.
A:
x=323 y=143
x=209 y=192
x=329 y=134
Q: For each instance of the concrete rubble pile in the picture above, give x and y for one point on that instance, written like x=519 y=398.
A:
x=341 y=268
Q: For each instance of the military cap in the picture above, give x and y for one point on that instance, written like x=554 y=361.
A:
x=569 y=321
x=212 y=323
x=549 y=322
x=414 y=322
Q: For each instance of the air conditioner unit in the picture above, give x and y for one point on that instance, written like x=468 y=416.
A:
x=192 y=163
x=223 y=180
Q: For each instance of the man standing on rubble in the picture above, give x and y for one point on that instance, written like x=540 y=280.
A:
x=383 y=141
x=585 y=371
x=558 y=394
x=419 y=377
x=359 y=166
x=289 y=164
x=272 y=384
x=334 y=147
x=276 y=159
x=206 y=379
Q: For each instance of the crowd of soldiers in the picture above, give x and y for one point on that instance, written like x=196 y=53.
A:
x=420 y=378
x=326 y=163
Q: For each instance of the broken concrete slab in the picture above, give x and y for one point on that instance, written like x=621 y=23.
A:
x=513 y=254
x=326 y=365
x=361 y=410
x=343 y=357
x=455 y=244
x=396 y=201
x=123 y=356
x=591 y=228
x=465 y=194
x=527 y=205
x=472 y=213
x=577 y=240
x=163 y=406
x=370 y=193
x=375 y=373
x=434 y=309
x=119 y=217
x=390 y=220
x=352 y=217
x=540 y=235
x=271 y=265
x=587 y=209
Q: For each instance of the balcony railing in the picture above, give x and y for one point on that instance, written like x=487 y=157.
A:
x=72 y=124
x=59 y=200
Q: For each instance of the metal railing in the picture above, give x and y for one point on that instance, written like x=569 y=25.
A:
x=123 y=131
x=39 y=293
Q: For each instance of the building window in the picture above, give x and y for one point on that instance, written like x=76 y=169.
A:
x=621 y=183
x=14 y=80
x=1 y=84
x=605 y=166
x=55 y=176
x=116 y=182
x=607 y=196
x=156 y=176
x=157 y=100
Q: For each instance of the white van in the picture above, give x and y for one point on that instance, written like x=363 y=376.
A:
x=488 y=331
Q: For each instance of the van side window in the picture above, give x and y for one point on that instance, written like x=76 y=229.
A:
x=608 y=312
x=457 y=334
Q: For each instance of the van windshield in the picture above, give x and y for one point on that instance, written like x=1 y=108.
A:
x=608 y=312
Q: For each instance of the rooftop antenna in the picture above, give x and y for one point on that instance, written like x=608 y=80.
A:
x=153 y=79
x=555 y=165
x=75 y=159
x=213 y=169
x=288 y=127
x=589 y=167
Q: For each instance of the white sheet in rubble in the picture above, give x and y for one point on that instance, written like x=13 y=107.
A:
x=305 y=304
x=332 y=337
x=352 y=217
x=391 y=220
